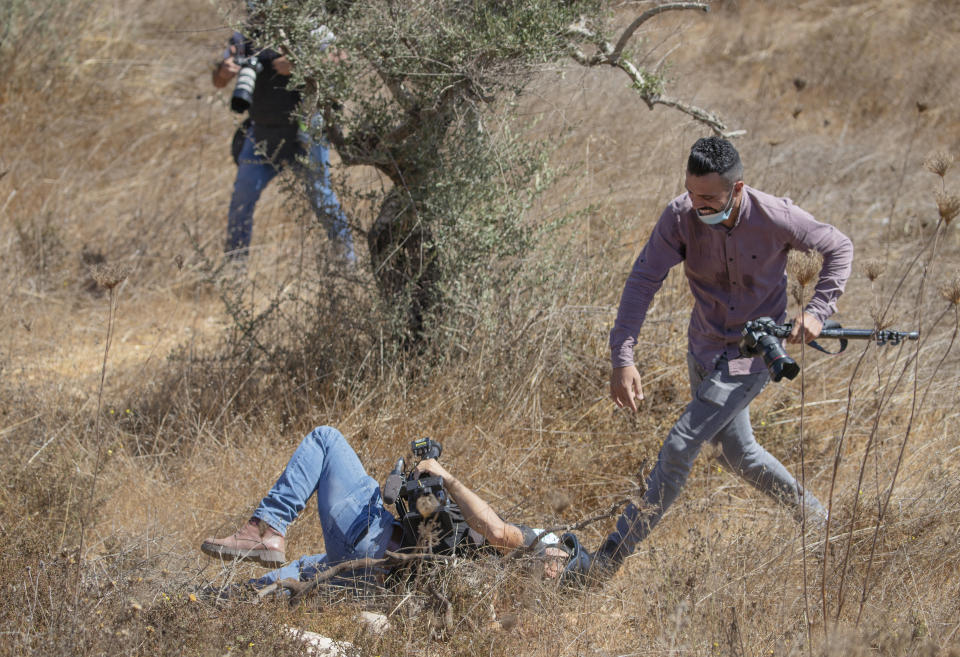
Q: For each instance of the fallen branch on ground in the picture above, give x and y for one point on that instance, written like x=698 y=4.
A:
x=299 y=590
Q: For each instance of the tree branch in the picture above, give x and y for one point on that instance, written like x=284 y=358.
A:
x=611 y=56
x=700 y=114
x=647 y=15
x=580 y=524
x=361 y=148
x=398 y=90
x=300 y=590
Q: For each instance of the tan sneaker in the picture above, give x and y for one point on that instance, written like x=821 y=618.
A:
x=256 y=541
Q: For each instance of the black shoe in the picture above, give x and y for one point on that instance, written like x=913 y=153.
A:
x=585 y=568
x=606 y=561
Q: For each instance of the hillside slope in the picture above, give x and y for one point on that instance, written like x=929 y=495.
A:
x=115 y=150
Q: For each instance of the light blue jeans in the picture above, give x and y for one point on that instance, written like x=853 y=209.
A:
x=354 y=521
x=720 y=413
x=255 y=171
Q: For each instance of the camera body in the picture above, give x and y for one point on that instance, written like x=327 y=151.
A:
x=761 y=337
x=242 y=96
x=430 y=519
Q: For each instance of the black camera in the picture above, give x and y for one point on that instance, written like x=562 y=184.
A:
x=761 y=337
x=430 y=519
x=246 y=81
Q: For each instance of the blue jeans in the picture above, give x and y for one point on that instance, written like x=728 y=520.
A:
x=720 y=413
x=355 y=523
x=255 y=171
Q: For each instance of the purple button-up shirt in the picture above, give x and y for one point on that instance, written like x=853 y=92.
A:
x=735 y=274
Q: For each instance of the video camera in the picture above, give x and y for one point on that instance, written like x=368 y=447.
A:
x=422 y=499
x=246 y=80
x=761 y=337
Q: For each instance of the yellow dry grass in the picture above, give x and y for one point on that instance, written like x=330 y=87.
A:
x=115 y=149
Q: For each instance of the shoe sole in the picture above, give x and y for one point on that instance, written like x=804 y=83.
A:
x=268 y=558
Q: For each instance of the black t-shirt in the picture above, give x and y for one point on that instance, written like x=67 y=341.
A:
x=273 y=107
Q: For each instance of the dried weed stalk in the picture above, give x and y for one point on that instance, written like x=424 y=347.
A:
x=108 y=276
x=873 y=268
x=951 y=289
x=948 y=205
x=939 y=163
x=804 y=267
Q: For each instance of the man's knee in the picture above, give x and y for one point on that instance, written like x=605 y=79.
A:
x=326 y=436
x=676 y=459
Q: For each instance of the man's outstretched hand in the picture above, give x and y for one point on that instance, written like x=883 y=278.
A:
x=625 y=387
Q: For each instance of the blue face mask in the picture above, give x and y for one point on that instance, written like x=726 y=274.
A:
x=718 y=217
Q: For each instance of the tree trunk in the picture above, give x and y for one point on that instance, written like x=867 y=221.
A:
x=404 y=261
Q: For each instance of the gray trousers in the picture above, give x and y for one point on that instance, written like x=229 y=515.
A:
x=720 y=413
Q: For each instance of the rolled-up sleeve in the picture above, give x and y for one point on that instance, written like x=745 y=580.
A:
x=662 y=251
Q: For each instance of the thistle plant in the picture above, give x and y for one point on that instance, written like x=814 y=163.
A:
x=948 y=207
x=951 y=290
x=804 y=268
x=939 y=164
x=108 y=276
x=873 y=269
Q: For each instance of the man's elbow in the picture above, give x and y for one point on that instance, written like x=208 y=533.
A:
x=839 y=258
x=844 y=247
x=845 y=257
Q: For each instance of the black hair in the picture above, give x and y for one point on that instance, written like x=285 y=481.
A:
x=715 y=155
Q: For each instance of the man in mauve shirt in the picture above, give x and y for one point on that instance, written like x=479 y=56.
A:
x=733 y=242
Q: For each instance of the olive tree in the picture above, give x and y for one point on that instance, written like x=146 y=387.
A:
x=412 y=88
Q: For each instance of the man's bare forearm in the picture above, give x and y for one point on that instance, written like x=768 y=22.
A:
x=481 y=518
x=478 y=514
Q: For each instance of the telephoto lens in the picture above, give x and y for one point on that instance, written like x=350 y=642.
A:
x=758 y=340
x=776 y=359
x=246 y=81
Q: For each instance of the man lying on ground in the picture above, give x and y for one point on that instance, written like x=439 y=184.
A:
x=356 y=524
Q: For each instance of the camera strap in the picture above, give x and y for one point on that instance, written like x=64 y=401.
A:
x=815 y=345
x=830 y=324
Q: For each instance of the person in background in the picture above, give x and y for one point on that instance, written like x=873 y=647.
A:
x=274 y=139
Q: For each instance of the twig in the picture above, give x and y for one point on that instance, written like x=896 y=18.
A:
x=880 y=320
x=109 y=277
x=299 y=589
x=837 y=458
x=914 y=411
x=612 y=511
x=612 y=56
x=647 y=15
x=803 y=485
x=884 y=399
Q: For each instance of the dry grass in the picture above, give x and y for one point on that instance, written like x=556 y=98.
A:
x=115 y=153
